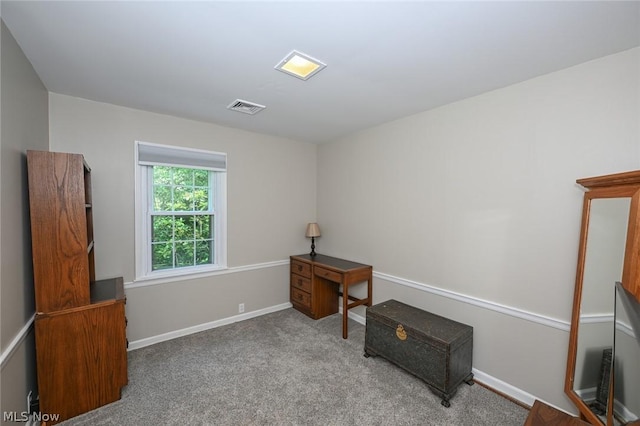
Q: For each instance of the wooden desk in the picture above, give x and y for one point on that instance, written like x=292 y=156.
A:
x=315 y=283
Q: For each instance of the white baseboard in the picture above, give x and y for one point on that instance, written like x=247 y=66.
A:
x=500 y=386
x=505 y=388
x=626 y=415
x=137 y=344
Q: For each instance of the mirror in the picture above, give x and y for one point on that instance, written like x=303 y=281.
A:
x=609 y=252
x=626 y=371
x=604 y=258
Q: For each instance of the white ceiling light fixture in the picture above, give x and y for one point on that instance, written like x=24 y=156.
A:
x=245 y=107
x=300 y=65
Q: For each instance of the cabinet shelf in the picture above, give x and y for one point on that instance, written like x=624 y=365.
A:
x=107 y=289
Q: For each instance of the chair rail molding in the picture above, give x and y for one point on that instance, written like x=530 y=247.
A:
x=486 y=304
x=17 y=340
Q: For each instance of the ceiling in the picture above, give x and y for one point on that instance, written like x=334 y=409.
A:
x=385 y=59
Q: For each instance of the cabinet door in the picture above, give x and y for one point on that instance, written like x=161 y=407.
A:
x=82 y=358
x=58 y=230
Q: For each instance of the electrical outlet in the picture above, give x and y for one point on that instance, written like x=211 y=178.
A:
x=241 y=308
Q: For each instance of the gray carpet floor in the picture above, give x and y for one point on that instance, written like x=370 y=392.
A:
x=285 y=369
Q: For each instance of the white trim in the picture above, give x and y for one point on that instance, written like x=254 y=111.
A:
x=137 y=344
x=497 y=307
x=510 y=390
x=596 y=319
x=232 y=270
x=606 y=319
x=142 y=201
x=505 y=388
x=622 y=411
x=11 y=348
x=625 y=328
x=587 y=394
x=153 y=154
x=356 y=317
x=492 y=306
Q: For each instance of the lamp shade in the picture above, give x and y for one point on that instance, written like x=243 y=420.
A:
x=313 y=230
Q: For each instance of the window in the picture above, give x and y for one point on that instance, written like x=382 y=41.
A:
x=180 y=211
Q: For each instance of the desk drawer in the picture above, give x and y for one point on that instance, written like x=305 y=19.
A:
x=329 y=275
x=301 y=268
x=301 y=297
x=302 y=283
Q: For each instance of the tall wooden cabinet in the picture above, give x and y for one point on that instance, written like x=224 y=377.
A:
x=80 y=323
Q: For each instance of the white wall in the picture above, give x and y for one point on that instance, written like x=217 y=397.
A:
x=478 y=198
x=24 y=126
x=271 y=196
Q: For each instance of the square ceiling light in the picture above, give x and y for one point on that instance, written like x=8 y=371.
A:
x=300 y=65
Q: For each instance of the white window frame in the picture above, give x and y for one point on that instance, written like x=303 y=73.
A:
x=176 y=157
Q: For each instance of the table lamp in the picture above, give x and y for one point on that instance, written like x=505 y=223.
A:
x=313 y=231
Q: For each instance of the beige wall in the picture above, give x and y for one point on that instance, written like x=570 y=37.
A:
x=270 y=193
x=478 y=198
x=470 y=210
x=24 y=126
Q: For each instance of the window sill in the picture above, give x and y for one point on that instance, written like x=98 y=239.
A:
x=176 y=275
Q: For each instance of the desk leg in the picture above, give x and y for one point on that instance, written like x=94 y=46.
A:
x=345 y=308
x=370 y=288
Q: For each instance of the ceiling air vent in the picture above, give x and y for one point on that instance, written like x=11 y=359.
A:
x=245 y=107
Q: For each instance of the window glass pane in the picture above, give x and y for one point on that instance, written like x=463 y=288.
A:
x=182 y=176
x=201 y=178
x=161 y=229
x=162 y=198
x=161 y=256
x=184 y=253
x=203 y=227
x=201 y=199
x=162 y=175
x=184 y=228
x=204 y=252
x=183 y=198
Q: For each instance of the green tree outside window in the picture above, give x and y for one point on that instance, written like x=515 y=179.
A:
x=182 y=218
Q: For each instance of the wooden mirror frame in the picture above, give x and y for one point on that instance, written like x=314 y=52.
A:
x=620 y=185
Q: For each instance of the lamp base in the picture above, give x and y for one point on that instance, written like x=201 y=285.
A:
x=313 y=247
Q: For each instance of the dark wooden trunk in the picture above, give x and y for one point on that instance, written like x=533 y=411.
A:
x=433 y=348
